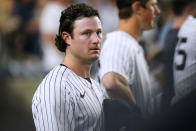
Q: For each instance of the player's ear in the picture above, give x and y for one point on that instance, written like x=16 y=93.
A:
x=136 y=7
x=66 y=37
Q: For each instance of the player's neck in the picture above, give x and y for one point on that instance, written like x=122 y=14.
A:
x=78 y=67
x=131 y=27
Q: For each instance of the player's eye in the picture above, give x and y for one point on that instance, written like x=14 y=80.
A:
x=99 y=33
x=87 y=33
x=155 y=6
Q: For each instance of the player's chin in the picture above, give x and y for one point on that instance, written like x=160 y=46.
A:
x=94 y=57
x=150 y=26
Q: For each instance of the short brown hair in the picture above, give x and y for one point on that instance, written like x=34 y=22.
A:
x=124 y=7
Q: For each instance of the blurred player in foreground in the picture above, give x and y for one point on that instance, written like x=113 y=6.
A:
x=185 y=57
x=124 y=71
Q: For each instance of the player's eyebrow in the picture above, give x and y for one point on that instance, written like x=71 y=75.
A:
x=91 y=30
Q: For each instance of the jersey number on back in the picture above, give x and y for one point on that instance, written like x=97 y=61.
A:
x=181 y=54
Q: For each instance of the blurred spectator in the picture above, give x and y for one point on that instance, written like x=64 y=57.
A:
x=49 y=23
x=27 y=31
x=7 y=24
x=22 y=41
x=5 y=13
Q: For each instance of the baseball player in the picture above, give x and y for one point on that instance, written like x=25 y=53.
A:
x=185 y=57
x=123 y=68
x=180 y=9
x=68 y=99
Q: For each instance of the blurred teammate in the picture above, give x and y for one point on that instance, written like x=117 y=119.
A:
x=185 y=57
x=181 y=10
x=124 y=71
x=68 y=99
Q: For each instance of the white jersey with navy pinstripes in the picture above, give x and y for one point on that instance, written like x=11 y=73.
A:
x=65 y=101
x=122 y=54
x=185 y=60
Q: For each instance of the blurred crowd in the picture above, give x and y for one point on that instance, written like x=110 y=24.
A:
x=27 y=33
x=28 y=29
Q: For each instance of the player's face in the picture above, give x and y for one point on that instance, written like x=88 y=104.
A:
x=149 y=14
x=87 y=37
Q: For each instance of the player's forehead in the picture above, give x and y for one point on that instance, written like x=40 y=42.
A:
x=88 y=23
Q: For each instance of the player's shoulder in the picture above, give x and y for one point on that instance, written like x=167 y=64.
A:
x=60 y=70
x=57 y=74
x=190 y=20
x=189 y=25
x=57 y=78
x=117 y=40
x=119 y=37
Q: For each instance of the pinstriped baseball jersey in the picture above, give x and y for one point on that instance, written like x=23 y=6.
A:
x=122 y=54
x=65 y=101
x=185 y=60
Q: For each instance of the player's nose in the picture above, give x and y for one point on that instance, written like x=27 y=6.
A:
x=157 y=10
x=96 y=38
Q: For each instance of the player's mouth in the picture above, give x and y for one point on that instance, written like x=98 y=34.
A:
x=95 y=50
